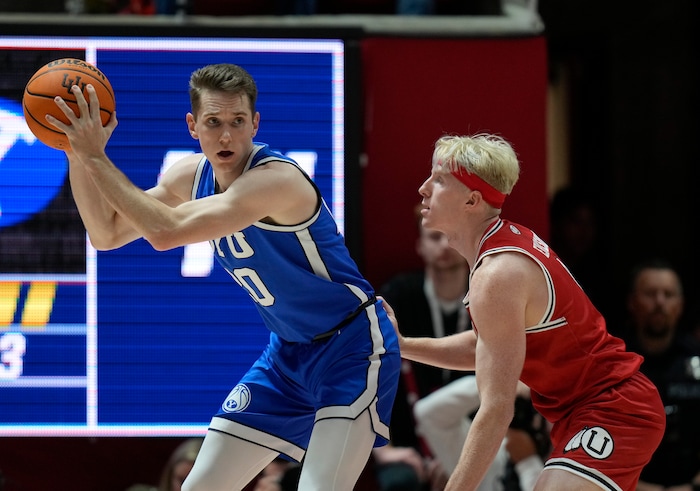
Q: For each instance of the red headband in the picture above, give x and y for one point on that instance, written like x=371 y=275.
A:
x=491 y=195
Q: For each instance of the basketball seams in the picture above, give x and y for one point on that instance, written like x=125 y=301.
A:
x=41 y=123
x=107 y=88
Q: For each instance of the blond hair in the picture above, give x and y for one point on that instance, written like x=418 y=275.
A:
x=488 y=156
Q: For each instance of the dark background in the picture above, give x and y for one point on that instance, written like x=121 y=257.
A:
x=634 y=123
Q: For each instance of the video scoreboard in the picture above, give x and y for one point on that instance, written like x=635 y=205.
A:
x=136 y=342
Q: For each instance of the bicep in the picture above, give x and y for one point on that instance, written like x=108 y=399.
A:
x=498 y=302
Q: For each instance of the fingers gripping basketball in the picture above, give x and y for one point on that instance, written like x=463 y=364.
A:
x=56 y=79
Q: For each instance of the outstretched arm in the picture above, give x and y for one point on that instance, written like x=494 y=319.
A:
x=454 y=352
x=277 y=190
x=106 y=228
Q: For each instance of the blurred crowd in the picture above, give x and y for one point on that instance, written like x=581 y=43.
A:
x=255 y=7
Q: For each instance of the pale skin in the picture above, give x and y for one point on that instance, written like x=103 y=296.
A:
x=116 y=212
x=507 y=293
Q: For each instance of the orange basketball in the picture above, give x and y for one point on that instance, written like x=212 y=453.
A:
x=56 y=78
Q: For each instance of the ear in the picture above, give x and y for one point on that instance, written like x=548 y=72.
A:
x=191 y=126
x=256 y=123
x=473 y=198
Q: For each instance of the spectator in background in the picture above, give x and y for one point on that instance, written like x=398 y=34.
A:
x=179 y=465
x=176 y=469
x=415 y=7
x=428 y=302
x=279 y=475
x=449 y=7
x=575 y=228
x=655 y=304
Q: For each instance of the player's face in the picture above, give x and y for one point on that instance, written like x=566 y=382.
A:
x=225 y=127
x=443 y=199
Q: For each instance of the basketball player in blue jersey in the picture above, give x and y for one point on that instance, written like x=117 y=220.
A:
x=323 y=388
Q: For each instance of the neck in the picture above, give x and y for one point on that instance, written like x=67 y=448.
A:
x=466 y=241
x=655 y=346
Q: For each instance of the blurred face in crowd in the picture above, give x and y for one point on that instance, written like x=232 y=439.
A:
x=656 y=303
x=436 y=253
x=578 y=231
x=180 y=471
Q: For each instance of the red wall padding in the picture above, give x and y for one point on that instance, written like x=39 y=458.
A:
x=416 y=90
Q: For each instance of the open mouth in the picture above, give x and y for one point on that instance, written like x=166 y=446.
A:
x=225 y=154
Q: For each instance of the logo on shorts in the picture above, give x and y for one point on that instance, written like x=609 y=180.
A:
x=596 y=442
x=238 y=399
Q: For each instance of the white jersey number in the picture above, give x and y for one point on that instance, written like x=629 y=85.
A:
x=246 y=277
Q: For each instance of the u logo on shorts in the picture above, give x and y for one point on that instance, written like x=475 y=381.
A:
x=595 y=441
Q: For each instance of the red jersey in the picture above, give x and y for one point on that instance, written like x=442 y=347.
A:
x=571 y=357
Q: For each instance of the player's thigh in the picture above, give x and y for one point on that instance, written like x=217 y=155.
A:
x=226 y=462
x=337 y=453
x=558 y=480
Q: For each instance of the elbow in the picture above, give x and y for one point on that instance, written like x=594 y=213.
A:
x=102 y=243
x=506 y=413
x=501 y=411
x=163 y=241
x=159 y=245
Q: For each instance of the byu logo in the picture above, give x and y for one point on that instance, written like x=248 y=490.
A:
x=596 y=442
x=237 y=400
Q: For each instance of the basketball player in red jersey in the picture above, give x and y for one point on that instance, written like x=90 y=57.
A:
x=531 y=321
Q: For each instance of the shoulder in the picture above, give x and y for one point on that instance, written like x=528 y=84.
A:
x=175 y=182
x=186 y=166
x=504 y=273
x=504 y=265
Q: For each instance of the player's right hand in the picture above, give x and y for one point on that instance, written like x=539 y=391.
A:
x=392 y=318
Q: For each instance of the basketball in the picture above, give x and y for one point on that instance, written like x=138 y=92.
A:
x=54 y=79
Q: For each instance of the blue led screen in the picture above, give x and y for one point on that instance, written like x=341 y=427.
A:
x=135 y=341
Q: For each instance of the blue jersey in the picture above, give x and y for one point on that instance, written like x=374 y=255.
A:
x=301 y=277
x=333 y=353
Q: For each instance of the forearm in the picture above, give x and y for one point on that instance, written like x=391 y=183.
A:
x=483 y=442
x=106 y=229
x=142 y=214
x=455 y=352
